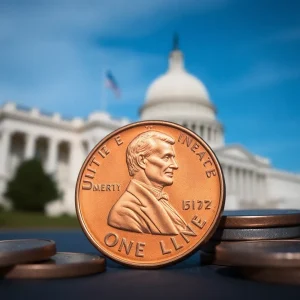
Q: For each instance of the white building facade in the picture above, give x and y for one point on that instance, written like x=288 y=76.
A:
x=176 y=96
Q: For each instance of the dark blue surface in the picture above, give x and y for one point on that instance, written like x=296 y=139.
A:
x=187 y=279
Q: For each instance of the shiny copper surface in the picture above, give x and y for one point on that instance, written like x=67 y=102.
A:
x=264 y=254
x=25 y=250
x=149 y=194
x=61 y=265
x=262 y=218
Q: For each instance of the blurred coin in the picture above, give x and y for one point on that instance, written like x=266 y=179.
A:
x=272 y=275
x=247 y=234
x=149 y=194
x=26 y=250
x=61 y=265
x=259 y=218
x=269 y=254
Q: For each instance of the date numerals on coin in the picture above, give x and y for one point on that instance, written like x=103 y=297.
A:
x=196 y=204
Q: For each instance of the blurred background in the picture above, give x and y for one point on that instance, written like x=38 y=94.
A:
x=73 y=71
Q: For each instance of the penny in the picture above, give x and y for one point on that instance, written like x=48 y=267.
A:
x=25 y=250
x=272 y=275
x=247 y=234
x=61 y=265
x=264 y=254
x=259 y=218
x=149 y=194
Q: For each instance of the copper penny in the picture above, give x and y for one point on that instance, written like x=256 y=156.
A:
x=260 y=218
x=264 y=254
x=150 y=193
x=25 y=250
x=61 y=265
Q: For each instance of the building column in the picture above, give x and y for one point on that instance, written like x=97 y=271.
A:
x=229 y=180
x=237 y=184
x=242 y=185
x=51 y=164
x=204 y=133
x=30 y=146
x=251 y=187
x=5 y=145
x=263 y=183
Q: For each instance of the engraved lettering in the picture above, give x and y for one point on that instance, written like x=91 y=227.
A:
x=185 y=139
x=118 y=140
x=104 y=151
x=94 y=161
x=188 y=140
x=181 y=136
x=96 y=187
x=195 y=147
x=113 y=242
x=197 y=222
x=88 y=185
x=213 y=172
x=176 y=246
x=126 y=247
x=90 y=175
x=208 y=161
x=200 y=204
x=139 y=251
x=208 y=204
x=106 y=187
x=163 y=248
x=201 y=155
x=188 y=232
x=196 y=204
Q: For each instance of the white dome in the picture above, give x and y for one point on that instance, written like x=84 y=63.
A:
x=177 y=85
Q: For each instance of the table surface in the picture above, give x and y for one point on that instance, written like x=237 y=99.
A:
x=187 y=279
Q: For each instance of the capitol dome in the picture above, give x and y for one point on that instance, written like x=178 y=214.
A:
x=177 y=84
x=180 y=97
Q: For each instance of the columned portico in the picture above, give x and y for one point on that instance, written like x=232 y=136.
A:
x=5 y=146
x=30 y=146
x=51 y=164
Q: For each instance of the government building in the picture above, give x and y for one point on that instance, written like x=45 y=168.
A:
x=177 y=96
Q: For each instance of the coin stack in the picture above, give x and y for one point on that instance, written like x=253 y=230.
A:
x=37 y=258
x=261 y=245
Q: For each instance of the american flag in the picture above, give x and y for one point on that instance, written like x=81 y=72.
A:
x=111 y=83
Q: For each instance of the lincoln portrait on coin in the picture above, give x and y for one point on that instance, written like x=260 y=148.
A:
x=144 y=207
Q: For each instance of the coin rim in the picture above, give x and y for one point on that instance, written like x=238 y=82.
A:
x=226 y=254
x=210 y=231
x=27 y=255
x=260 y=221
x=248 y=234
x=43 y=270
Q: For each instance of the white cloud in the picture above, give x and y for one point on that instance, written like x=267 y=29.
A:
x=261 y=75
x=47 y=59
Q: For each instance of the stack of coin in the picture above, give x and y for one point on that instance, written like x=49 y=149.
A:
x=37 y=258
x=256 y=240
x=274 y=261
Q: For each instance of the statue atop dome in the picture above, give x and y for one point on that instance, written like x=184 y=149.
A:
x=175 y=41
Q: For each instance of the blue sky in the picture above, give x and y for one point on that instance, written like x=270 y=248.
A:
x=247 y=53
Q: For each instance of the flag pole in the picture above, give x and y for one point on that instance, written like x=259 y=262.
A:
x=103 y=94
